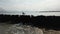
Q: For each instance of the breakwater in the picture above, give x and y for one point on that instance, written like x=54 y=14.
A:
x=48 y=22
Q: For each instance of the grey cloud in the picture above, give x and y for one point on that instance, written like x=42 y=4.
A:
x=53 y=5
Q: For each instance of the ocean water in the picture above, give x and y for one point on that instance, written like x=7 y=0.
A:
x=23 y=29
x=19 y=29
x=35 y=13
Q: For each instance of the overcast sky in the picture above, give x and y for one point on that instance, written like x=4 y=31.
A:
x=31 y=5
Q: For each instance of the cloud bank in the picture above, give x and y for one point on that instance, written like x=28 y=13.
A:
x=31 y=5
